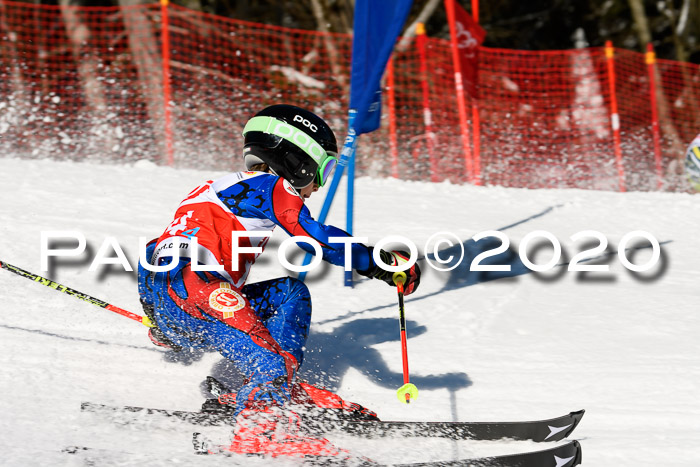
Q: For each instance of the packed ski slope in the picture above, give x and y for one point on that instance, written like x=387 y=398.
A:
x=482 y=345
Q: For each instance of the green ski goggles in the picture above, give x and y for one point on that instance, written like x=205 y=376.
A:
x=325 y=170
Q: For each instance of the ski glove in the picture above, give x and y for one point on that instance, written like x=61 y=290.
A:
x=395 y=258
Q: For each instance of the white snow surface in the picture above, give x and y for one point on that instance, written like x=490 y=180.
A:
x=624 y=347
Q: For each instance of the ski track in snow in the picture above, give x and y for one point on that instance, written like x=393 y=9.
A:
x=624 y=348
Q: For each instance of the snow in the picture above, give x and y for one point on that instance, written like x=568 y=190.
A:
x=622 y=346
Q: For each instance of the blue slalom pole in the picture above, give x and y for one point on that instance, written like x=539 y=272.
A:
x=347 y=156
x=350 y=204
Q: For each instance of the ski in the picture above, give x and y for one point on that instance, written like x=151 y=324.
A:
x=543 y=430
x=554 y=429
x=565 y=455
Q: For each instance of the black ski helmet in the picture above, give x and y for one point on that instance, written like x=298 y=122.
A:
x=295 y=143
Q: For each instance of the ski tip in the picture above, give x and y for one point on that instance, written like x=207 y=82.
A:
x=562 y=432
x=579 y=453
x=576 y=416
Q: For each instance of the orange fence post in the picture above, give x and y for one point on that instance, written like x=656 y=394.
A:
x=459 y=87
x=393 y=141
x=421 y=41
x=475 y=114
x=614 y=116
x=165 y=51
x=476 y=137
x=651 y=62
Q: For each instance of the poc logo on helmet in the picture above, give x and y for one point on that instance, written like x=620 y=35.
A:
x=306 y=123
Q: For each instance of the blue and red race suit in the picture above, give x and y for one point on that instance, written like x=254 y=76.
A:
x=261 y=327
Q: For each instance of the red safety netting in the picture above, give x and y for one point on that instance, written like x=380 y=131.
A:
x=88 y=84
x=224 y=71
x=69 y=83
x=545 y=119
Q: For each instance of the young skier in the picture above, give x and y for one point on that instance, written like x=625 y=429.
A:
x=262 y=327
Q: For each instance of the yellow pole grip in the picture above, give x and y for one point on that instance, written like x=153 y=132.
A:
x=399 y=277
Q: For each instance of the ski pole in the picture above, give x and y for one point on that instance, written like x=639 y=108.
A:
x=408 y=391
x=82 y=296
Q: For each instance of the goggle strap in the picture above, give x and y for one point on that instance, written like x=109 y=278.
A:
x=295 y=136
